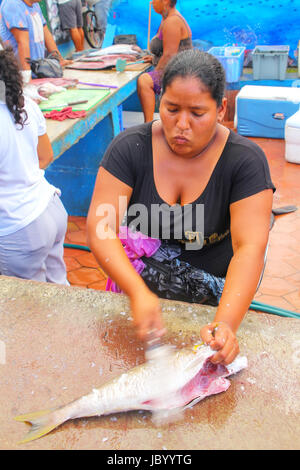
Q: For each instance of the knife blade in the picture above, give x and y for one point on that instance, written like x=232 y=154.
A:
x=64 y=105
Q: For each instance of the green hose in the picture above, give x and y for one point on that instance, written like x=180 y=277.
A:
x=271 y=309
x=77 y=247
x=253 y=306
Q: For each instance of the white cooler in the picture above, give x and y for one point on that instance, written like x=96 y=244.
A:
x=292 y=138
x=262 y=111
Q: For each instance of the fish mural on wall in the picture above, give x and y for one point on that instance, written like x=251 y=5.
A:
x=219 y=22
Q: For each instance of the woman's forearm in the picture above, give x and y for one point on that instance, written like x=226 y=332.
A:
x=24 y=53
x=49 y=41
x=111 y=256
x=240 y=286
x=163 y=61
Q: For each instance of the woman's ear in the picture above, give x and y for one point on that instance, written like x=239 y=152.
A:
x=222 y=110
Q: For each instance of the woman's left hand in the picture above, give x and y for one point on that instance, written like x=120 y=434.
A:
x=147 y=59
x=220 y=337
x=64 y=62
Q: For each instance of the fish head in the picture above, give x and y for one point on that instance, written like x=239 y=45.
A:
x=188 y=377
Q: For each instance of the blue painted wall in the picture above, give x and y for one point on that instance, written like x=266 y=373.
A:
x=221 y=22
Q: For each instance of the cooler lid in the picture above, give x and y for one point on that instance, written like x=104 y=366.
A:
x=280 y=93
x=294 y=120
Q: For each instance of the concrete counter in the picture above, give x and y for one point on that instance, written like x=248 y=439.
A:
x=58 y=343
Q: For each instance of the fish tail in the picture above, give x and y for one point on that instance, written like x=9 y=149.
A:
x=42 y=423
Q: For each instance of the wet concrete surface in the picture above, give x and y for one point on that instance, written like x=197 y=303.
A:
x=58 y=343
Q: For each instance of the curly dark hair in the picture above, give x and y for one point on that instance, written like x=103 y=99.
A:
x=11 y=76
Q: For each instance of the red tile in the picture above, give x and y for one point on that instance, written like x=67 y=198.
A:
x=84 y=276
x=88 y=260
x=77 y=237
x=99 y=285
x=279 y=302
x=294 y=279
x=275 y=286
x=79 y=221
x=294 y=299
x=72 y=252
x=72 y=227
x=295 y=262
x=281 y=252
x=278 y=268
x=71 y=263
x=286 y=239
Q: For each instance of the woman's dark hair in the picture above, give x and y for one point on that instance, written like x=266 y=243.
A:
x=11 y=76
x=198 y=64
x=173 y=3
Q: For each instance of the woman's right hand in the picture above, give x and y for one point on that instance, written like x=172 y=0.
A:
x=147 y=315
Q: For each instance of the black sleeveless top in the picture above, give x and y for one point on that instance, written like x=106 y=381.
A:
x=156 y=44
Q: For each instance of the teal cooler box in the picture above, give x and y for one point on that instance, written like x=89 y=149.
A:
x=261 y=111
x=232 y=59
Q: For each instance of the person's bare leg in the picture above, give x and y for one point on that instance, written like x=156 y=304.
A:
x=81 y=33
x=146 y=95
x=76 y=38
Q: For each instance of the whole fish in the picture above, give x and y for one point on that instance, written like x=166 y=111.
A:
x=194 y=378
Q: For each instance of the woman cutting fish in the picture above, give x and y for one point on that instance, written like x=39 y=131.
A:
x=211 y=185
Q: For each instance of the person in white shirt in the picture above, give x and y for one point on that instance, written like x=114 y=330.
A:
x=33 y=220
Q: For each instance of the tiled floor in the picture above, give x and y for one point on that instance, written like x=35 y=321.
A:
x=281 y=282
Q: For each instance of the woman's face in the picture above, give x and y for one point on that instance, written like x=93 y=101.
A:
x=189 y=116
x=158 y=6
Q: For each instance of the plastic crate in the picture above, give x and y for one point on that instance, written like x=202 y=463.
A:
x=270 y=62
x=232 y=59
x=202 y=45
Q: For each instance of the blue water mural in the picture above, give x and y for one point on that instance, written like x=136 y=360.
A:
x=219 y=22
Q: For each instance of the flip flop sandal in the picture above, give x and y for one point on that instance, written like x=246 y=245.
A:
x=284 y=210
x=272 y=221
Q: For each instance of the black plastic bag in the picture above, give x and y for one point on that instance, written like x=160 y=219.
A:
x=125 y=39
x=178 y=280
x=49 y=67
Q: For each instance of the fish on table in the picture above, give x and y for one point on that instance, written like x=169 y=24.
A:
x=194 y=377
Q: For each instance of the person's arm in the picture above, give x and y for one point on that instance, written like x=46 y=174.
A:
x=22 y=38
x=44 y=150
x=171 y=41
x=52 y=47
x=103 y=223
x=250 y=223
